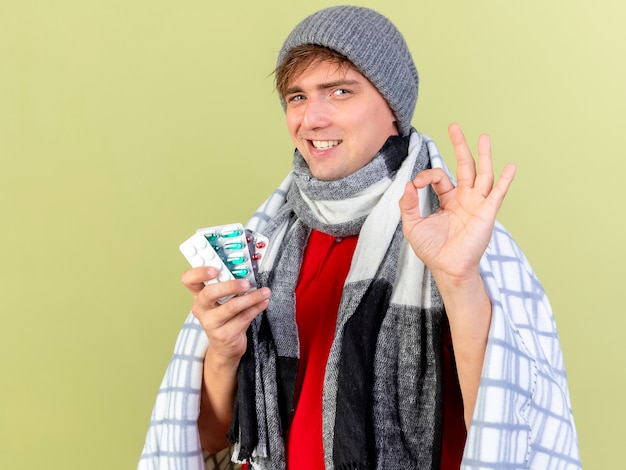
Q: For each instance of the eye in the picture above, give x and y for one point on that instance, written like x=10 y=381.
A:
x=341 y=91
x=295 y=98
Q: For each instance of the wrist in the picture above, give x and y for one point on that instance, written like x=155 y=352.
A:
x=467 y=304
x=465 y=283
x=219 y=364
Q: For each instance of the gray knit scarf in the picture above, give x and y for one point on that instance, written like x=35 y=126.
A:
x=383 y=386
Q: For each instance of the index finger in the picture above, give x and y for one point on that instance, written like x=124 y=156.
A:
x=194 y=278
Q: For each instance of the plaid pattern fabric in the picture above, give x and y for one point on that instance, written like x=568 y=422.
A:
x=523 y=415
x=172 y=440
x=522 y=419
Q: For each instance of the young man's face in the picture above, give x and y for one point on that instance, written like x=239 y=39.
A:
x=337 y=119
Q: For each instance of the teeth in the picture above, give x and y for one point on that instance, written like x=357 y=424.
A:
x=325 y=144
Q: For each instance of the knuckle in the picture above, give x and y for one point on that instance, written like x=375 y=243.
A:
x=231 y=306
x=219 y=336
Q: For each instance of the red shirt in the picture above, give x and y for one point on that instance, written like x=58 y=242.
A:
x=324 y=269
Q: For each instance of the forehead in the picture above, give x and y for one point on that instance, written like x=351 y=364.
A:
x=325 y=70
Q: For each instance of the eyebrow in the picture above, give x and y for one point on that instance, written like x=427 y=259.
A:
x=323 y=86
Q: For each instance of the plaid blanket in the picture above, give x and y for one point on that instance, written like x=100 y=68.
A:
x=522 y=418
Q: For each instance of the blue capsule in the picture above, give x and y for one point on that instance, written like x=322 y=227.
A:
x=240 y=272
x=236 y=258
x=212 y=238
x=231 y=233
x=234 y=246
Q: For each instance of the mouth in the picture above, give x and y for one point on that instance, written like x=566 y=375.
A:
x=325 y=144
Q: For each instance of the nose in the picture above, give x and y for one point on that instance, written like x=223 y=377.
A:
x=316 y=114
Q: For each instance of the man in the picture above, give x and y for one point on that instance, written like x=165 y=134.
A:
x=394 y=313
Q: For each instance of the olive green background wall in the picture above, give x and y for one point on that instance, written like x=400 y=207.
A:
x=125 y=125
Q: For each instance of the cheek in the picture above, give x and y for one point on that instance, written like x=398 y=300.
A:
x=293 y=126
x=293 y=120
x=376 y=131
x=384 y=116
x=383 y=125
x=293 y=133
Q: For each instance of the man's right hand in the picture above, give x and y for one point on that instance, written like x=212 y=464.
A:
x=225 y=325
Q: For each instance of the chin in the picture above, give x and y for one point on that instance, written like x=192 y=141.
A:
x=328 y=176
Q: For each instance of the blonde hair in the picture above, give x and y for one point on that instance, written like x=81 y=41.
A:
x=300 y=58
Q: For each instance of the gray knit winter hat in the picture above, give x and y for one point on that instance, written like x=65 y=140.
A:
x=373 y=44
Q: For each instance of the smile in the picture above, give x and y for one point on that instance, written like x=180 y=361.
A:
x=325 y=144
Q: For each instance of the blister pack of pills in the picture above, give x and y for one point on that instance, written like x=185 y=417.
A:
x=233 y=250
